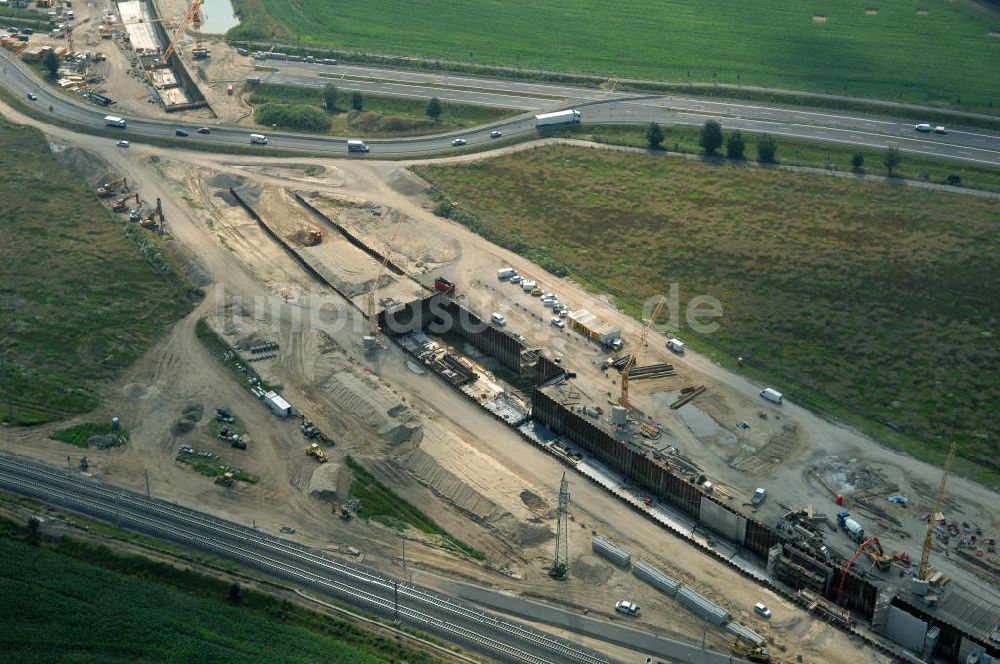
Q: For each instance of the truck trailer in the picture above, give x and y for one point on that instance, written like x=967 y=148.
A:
x=114 y=121
x=559 y=117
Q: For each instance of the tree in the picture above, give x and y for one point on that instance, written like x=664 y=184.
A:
x=51 y=62
x=34 y=534
x=235 y=593
x=710 y=137
x=357 y=101
x=735 y=145
x=654 y=136
x=891 y=157
x=434 y=108
x=858 y=163
x=330 y=97
x=766 y=149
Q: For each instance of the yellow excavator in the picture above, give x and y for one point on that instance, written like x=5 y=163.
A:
x=751 y=651
x=316 y=452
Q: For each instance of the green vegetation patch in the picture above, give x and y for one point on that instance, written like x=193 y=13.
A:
x=81 y=602
x=292 y=116
x=856 y=297
x=944 y=56
x=212 y=465
x=82 y=297
x=379 y=503
x=378 y=116
x=79 y=434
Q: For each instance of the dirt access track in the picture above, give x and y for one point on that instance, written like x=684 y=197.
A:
x=470 y=473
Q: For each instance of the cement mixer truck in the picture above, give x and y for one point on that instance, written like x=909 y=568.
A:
x=851 y=527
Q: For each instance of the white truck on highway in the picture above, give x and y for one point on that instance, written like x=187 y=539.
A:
x=559 y=117
x=354 y=145
x=114 y=121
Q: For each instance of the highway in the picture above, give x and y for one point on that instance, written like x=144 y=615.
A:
x=980 y=147
x=361 y=586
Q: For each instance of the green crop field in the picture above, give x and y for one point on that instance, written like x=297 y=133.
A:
x=860 y=298
x=79 y=603
x=925 y=52
x=81 y=295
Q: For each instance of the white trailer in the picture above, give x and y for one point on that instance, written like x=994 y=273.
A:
x=676 y=345
x=505 y=273
x=280 y=407
x=114 y=121
x=559 y=117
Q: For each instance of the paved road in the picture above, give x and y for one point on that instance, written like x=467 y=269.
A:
x=361 y=586
x=980 y=147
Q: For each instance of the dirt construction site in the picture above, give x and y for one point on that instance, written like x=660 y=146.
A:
x=296 y=254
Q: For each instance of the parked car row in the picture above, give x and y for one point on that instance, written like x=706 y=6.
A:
x=548 y=300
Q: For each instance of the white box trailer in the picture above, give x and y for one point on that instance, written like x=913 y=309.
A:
x=559 y=117
x=505 y=273
x=676 y=345
x=277 y=404
x=114 y=121
x=772 y=395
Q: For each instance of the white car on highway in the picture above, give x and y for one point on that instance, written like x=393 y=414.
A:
x=923 y=126
x=458 y=141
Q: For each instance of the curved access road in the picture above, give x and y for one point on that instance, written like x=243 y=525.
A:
x=976 y=147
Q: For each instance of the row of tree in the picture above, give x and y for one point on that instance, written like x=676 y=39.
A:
x=711 y=140
x=330 y=95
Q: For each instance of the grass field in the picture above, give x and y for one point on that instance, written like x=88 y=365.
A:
x=67 y=603
x=794 y=152
x=860 y=298
x=941 y=57
x=79 y=434
x=82 y=297
x=381 y=116
x=379 y=503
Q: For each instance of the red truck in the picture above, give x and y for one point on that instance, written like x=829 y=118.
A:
x=442 y=285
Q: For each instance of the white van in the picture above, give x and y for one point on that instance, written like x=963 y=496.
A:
x=357 y=146
x=772 y=395
x=498 y=319
x=527 y=286
x=258 y=139
x=676 y=345
x=505 y=273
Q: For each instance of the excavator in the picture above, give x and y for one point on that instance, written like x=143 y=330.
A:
x=314 y=237
x=873 y=549
x=108 y=188
x=751 y=651
x=316 y=452
x=121 y=205
x=225 y=479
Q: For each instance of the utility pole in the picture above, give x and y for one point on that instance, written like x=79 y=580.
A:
x=6 y=373
x=405 y=577
x=146 y=475
x=395 y=601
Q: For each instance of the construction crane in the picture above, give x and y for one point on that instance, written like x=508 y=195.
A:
x=876 y=554
x=189 y=18
x=370 y=308
x=560 y=563
x=646 y=324
x=924 y=571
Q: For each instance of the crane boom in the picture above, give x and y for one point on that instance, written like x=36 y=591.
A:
x=648 y=323
x=925 y=567
x=372 y=318
x=191 y=15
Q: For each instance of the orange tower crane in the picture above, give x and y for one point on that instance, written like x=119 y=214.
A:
x=191 y=16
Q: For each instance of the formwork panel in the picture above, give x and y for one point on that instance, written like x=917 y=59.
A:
x=727 y=523
x=612 y=552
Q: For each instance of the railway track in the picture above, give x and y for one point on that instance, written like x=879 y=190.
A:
x=358 y=585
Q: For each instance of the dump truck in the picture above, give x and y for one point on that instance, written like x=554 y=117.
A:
x=442 y=285
x=853 y=529
x=559 y=117
x=316 y=452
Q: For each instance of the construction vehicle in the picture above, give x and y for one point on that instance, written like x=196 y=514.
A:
x=442 y=285
x=121 y=205
x=349 y=508
x=646 y=324
x=314 y=237
x=877 y=555
x=751 y=651
x=316 y=452
x=108 y=188
x=924 y=572
x=223 y=415
x=225 y=479
x=852 y=528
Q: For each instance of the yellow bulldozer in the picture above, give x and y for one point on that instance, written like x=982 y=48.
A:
x=316 y=452
x=751 y=651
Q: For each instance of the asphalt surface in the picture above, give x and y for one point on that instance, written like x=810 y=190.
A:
x=598 y=107
x=361 y=586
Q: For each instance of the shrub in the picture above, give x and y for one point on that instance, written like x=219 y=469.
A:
x=293 y=116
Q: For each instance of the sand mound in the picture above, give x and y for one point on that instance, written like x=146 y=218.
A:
x=374 y=407
x=323 y=483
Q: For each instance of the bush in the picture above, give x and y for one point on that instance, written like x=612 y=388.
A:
x=735 y=145
x=710 y=137
x=766 y=149
x=293 y=116
x=654 y=136
x=858 y=163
